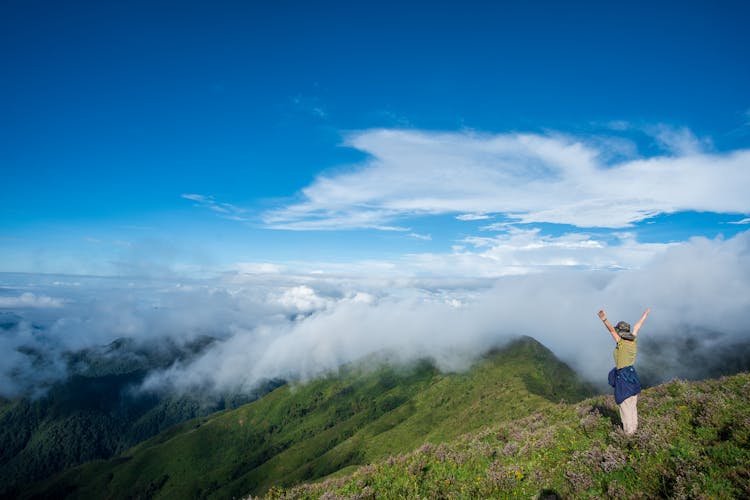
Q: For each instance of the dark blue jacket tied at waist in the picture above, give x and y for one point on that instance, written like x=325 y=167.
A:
x=626 y=383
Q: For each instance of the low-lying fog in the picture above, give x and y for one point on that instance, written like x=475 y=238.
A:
x=293 y=326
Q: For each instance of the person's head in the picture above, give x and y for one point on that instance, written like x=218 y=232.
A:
x=623 y=330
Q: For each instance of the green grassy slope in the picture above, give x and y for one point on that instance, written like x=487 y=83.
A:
x=309 y=431
x=693 y=442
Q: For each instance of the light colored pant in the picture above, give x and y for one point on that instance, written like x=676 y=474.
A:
x=629 y=415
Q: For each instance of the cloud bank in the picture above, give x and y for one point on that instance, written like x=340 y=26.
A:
x=274 y=324
x=556 y=307
x=530 y=178
x=523 y=251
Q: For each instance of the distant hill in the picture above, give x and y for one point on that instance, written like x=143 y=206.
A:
x=332 y=425
x=693 y=441
x=95 y=413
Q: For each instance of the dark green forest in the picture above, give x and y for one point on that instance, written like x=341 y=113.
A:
x=97 y=412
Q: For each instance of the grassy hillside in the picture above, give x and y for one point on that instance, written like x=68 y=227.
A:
x=693 y=442
x=301 y=433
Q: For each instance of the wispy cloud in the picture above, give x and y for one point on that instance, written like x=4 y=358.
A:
x=529 y=178
x=311 y=106
x=514 y=251
x=471 y=217
x=196 y=197
x=497 y=226
x=223 y=210
x=528 y=251
x=678 y=141
x=258 y=268
x=746 y=220
x=391 y=118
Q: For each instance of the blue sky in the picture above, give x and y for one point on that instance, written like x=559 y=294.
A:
x=437 y=137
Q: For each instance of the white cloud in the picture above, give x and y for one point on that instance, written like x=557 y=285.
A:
x=530 y=178
x=678 y=141
x=514 y=251
x=196 y=197
x=302 y=299
x=29 y=299
x=746 y=220
x=520 y=251
x=619 y=125
x=497 y=226
x=471 y=217
x=258 y=268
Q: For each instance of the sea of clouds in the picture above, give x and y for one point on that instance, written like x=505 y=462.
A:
x=270 y=322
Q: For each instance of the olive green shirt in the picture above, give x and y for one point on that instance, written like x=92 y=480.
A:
x=625 y=353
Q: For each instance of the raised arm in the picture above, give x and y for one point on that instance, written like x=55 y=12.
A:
x=612 y=331
x=640 y=322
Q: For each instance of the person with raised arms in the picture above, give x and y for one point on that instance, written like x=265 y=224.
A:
x=623 y=376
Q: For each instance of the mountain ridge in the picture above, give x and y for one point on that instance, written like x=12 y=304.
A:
x=311 y=430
